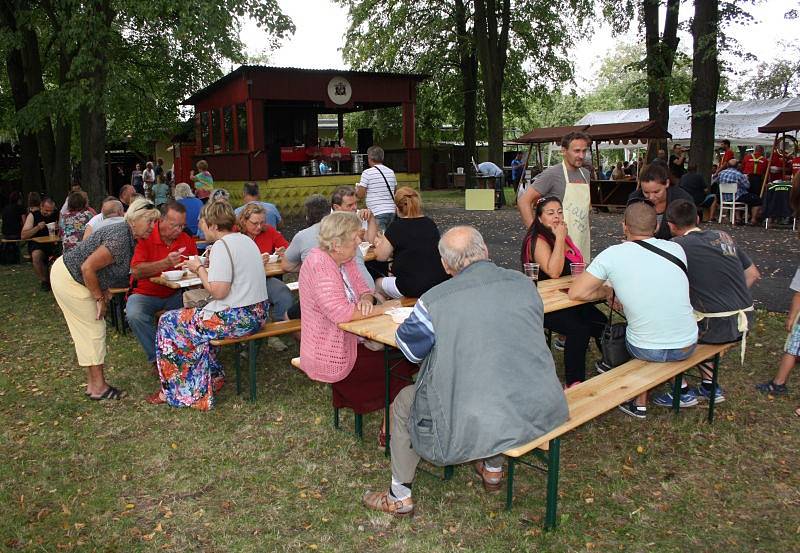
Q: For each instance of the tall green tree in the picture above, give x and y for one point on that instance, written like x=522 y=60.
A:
x=122 y=66
x=778 y=78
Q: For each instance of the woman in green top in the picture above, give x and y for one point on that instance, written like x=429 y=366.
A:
x=160 y=192
x=203 y=181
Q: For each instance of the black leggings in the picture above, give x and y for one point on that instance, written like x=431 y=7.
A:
x=578 y=324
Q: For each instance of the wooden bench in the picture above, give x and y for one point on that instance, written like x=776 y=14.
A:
x=267 y=331
x=594 y=397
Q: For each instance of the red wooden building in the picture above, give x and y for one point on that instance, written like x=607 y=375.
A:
x=259 y=123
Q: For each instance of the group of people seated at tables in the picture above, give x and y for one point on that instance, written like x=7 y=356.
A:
x=667 y=275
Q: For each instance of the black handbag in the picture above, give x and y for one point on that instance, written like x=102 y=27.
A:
x=612 y=341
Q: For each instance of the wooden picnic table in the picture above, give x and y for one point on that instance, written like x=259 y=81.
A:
x=382 y=328
x=270 y=269
x=46 y=239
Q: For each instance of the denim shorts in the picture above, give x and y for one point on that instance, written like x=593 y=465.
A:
x=660 y=355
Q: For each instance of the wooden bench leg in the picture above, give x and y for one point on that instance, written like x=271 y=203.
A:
x=714 y=373
x=237 y=351
x=336 y=418
x=553 y=461
x=358 y=424
x=448 y=472
x=252 y=353
x=676 y=393
x=510 y=483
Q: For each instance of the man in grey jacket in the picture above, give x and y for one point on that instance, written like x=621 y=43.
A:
x=487 y=381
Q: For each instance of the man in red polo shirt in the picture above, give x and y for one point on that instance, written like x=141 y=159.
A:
x=160 y=252
x=754 y=166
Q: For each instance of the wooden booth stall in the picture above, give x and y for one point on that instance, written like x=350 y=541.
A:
x=605 y=193
x=262 y=124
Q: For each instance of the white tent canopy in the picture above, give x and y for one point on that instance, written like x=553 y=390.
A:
x=736 y=121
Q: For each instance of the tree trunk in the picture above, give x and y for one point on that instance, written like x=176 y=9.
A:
x=46 y=142
x=31 y=172
x=93 y=146
x=705 y=85
x=468 y=64
x=492 y=48
x=63 y=133
x=660 y=55
x=92 y=113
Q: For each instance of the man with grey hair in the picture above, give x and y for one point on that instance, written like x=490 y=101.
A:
x=111 y=213
x=377 y=185
x=471 y=402
x=252 y=194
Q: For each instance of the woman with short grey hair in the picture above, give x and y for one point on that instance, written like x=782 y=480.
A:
x=185 y=197
x=82 y=280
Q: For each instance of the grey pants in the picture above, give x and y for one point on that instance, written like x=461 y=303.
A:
x=404 y=458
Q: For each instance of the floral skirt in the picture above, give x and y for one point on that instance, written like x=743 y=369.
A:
x=187 y=363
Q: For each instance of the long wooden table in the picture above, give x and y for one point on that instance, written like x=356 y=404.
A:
x=382 y=328
x=270 y=269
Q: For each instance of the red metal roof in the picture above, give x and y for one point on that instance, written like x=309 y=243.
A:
x=608 y=131
x=784 y=121
x=268 y=70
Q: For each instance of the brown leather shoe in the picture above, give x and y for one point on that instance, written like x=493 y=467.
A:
x=381 y=501
x=492 y=481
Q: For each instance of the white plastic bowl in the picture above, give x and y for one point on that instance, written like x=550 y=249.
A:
x=172 y=275
x=364 y=247
x=399 y=314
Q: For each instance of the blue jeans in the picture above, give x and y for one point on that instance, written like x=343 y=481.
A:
x=280 y=297
x=660 y=355
x=384 y=220
x=139 y=312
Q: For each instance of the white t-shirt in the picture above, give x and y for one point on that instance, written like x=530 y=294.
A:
x=249 y=284
x=94 y=220
x=379 y=200
x=654 y=292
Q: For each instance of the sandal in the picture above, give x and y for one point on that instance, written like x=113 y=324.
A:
x=110 y=393
x=797 y=412
x=217 y=383
x=156 y=398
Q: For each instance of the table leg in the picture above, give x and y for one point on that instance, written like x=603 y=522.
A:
x=387 y=375
x=553 y=461
x=711 y=399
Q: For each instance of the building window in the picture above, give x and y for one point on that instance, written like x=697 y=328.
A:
x=227 y=121
x=216 y=131
x=204 y=141
x=241 y=123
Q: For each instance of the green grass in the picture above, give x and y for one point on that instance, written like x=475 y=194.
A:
x=274 y=475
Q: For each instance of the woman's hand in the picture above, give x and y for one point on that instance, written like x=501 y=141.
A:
x=280 y=251
x=560 y=230
x=365 y=306
x=101 y=307
x=192 y=264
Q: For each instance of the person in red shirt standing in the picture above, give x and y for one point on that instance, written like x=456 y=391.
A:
x=160 y=252
x=796 y=164
x=777 y=165
x=252 y=222
x=755 y=165
x=725 y=155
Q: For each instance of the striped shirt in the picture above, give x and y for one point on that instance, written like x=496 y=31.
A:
x=415 y=337
x=379 y=200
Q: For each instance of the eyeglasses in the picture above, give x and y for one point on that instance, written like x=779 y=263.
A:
x=148 y=206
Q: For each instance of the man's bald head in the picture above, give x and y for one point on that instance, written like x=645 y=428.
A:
x=732 y=162
x=461 y=246
x=112 y=208
x=640 y=219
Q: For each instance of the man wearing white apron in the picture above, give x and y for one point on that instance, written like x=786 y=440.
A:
x=569 y=182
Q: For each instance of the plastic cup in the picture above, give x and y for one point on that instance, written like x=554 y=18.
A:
x=577 y=268
x=51 y=229
x=531 y=271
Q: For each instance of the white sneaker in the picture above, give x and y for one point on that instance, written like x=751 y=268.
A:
x=275 y=343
